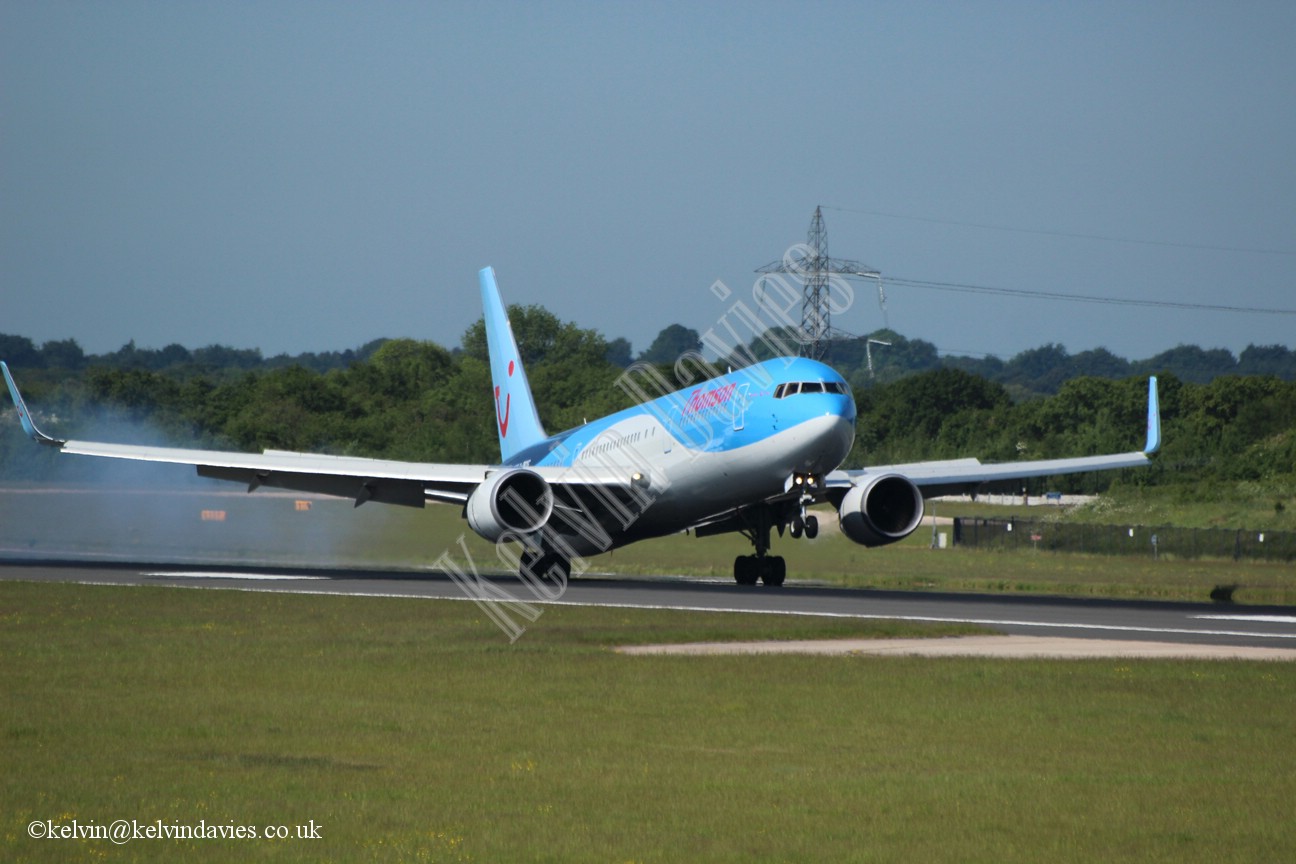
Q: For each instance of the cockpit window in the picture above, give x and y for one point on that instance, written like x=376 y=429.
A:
x=792 y=388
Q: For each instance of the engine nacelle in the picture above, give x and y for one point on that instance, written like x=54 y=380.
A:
x=515 y=501
x=881 y=510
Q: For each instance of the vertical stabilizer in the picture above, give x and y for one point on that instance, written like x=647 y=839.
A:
x=516 y=418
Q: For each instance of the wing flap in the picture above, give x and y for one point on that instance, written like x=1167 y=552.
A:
x=359 y=489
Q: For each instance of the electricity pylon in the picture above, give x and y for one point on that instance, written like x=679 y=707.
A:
x=810 y=263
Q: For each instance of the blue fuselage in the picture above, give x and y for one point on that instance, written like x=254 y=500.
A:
x=700 y=451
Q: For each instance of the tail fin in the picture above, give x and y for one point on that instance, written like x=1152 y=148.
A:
x=515 y=410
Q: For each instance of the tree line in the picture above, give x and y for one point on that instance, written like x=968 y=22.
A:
x=411 y=400
x=880 y=357
x=885 y=356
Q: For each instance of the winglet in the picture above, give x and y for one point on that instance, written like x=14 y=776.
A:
x=518 y=424
x=24 y=416
x=1153 y=419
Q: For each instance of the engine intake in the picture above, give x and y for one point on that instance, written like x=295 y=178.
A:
x=516 y=501
x=881 y=510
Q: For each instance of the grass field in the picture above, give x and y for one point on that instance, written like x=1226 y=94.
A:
x=412 y=731
x=1268 y=505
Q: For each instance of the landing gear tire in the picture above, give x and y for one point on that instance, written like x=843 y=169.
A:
x=811 y=527
x=797 y=528
x=547 y=571
x=774 y=571
x=769 y=569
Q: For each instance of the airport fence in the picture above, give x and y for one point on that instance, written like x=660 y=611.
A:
x=1139 y=540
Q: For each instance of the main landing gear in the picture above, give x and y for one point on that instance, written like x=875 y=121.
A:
x=770 y=569
x=757 y=522
x=764 y=567
x=545 y=569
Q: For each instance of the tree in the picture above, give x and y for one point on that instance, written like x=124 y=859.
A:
x=904 y=420
x=19 y=351
x=142 y=393
x=1088 y=415
x=671 y=343
x=1190 y=363
x=1268 y=360
x=1098 y=363
x=618 y=352
x=63 y=354
x=131 y=357
x=222 y=357
x=1040 y=369
x=540 y=336
x=407 y=368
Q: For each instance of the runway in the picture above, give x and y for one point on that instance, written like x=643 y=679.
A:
x=1115 y=620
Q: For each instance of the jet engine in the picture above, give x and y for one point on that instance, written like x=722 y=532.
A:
x=881 y=510
x=515 y=501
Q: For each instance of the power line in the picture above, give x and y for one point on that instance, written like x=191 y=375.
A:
x=1082 y=298
x=1072 y=235
x=810 y=263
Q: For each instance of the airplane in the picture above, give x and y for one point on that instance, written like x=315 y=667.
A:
x=747 y=451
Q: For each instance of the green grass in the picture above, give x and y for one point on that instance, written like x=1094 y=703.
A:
x=1249 y=506
x=413 y=731
x=1268 y=505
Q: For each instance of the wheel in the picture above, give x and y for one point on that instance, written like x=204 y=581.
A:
x=559 y=568
x=798 y=527
x=811 y=527
x=547 y=572
x=529 y=565
x=773 y=571
x=745 y=572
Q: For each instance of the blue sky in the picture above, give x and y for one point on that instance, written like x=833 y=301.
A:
x=307 y=176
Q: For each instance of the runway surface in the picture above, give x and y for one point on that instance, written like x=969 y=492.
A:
x=1114 y=620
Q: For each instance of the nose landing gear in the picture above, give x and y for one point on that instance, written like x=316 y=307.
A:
x=807 y=526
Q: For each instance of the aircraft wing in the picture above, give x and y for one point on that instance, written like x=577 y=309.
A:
x=967 y=475
x=359 y=479
x=954 y=476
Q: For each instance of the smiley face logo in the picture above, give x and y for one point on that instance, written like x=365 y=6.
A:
x=503 y=419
